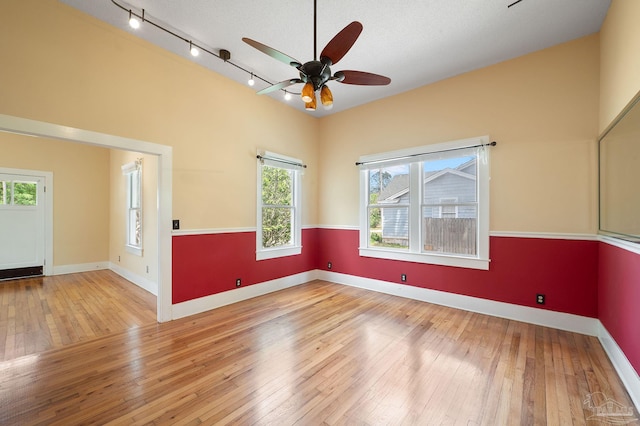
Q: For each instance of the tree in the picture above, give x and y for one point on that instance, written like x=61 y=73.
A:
x=375 y=182
x=277 y=206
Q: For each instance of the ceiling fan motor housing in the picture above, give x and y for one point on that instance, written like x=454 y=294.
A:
x=316 y=72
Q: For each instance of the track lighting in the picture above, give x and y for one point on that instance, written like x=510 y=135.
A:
x=133 y=21
x=136 y=20
x=194 y=50
x=308 y=93
x=326 y=97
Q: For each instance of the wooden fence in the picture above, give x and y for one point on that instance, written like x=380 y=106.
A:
x=450 y=235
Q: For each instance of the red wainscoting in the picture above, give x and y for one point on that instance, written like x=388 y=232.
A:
x=619 y=299
x=207 y=264
x=587 y=278
x=566 y=271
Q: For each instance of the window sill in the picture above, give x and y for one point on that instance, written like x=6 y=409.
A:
x=432 y=259
x=133 y=250
x=278 y=252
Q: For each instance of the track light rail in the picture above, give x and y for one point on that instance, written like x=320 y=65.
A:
x=224 y=54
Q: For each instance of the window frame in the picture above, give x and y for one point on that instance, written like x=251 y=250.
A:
x=289 y=163
x=129 y=170
x=414 y=157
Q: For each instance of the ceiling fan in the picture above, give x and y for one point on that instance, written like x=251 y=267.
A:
x=316 y=74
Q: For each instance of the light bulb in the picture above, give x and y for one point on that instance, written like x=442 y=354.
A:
x=287 y=96
x=133 y=21
x=194 y=51
x=251 y=81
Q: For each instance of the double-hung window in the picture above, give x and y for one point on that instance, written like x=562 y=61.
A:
x=279 y=206
x=428 y=204
x=133 y=177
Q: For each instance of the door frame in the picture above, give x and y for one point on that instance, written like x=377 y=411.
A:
x=47 y=268
x=24 y=126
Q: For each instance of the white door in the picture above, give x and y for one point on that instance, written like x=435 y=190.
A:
x=22 y=224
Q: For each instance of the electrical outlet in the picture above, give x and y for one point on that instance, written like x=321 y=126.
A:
x=540 y=299
x=176 y=224
x=329 y=265
x=403 y=278
x=238 y=282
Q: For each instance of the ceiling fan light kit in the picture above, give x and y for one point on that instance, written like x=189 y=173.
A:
x=316 y=74
x=326 y=97
x=308 y=92
x=311 y=105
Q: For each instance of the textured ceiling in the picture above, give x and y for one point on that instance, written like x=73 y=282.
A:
x=414 y=42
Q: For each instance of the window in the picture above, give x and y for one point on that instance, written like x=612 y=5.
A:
x=278 y=213
x=133 y=176
x=428 y=204
x=18 y=193
x=448 y=208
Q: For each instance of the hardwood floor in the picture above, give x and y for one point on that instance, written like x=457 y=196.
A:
x=317 y=354
x=38 y=314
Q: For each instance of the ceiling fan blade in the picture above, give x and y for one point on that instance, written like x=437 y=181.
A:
x=341 y=43
x=361 y=78
x=278 y=86
x=276 y=54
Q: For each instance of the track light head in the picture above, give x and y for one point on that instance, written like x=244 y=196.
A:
x=133 y=21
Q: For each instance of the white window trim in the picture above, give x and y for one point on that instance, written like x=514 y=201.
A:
x=127 y=170
x=296 y=247
x=414 y=254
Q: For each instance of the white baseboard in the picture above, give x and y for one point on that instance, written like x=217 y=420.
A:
x=621 y=363
x=81 y=267
x=207 y=303
x=559 y=320
x=140 y=281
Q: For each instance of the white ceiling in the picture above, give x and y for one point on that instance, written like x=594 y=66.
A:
x=414 y=42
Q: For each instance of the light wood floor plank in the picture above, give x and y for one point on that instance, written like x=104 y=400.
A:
x=39 y=314
x=315 y=354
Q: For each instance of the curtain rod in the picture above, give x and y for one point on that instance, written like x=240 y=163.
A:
x=361 y=163
x=280 y=160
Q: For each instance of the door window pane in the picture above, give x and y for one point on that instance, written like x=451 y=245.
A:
x=24 y=193
x=18 y=193
x=5 y=192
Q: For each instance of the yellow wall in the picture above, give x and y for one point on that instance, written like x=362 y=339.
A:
x=619 y=59
x=81 y=193
x=541 y=108
x=145 y=266
x=71 y=69
x=68 y=68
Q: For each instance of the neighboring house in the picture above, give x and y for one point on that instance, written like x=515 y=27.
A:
x=445 y=193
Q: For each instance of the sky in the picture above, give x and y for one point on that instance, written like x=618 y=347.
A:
x=430 y=165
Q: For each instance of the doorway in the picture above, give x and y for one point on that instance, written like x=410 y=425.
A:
x=164 y=154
